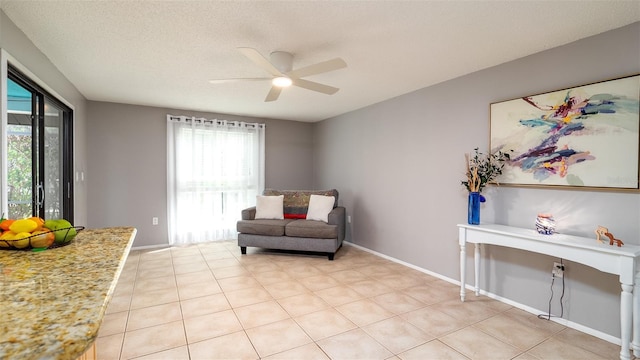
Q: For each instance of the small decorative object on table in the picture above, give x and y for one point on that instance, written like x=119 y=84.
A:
x=545 y=224
x=603 y=231
x=481 y=169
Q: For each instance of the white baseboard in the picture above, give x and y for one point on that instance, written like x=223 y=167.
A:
x=565 y=322
x=146 y=247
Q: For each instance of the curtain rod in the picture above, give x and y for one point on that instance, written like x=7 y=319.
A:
x=181 y=118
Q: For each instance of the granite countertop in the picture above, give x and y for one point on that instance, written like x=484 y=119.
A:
x=52 y=302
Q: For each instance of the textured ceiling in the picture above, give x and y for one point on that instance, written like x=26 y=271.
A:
x=162 y=53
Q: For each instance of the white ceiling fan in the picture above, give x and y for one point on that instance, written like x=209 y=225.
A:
x=280 y=66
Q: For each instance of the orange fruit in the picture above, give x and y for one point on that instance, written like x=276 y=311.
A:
x=42 y=239
x=39 y=221
x=4 y=224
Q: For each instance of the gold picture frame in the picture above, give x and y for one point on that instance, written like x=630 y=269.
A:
x=581 y=137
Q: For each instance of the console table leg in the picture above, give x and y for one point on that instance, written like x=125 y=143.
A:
x=463 y=255
x=626 y=298
x=636 y=317
x=476 y=263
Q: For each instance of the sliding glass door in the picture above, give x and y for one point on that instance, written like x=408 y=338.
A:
x=39 y=152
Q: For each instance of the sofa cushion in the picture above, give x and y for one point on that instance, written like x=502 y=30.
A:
x=269 y=207
x=319 y=207
x=311 y=229
x=263 y=227
x=296 y=202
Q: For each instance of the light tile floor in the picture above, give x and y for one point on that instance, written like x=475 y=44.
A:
x=208 y=301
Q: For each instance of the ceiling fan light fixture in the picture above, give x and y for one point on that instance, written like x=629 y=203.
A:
x=281 y=81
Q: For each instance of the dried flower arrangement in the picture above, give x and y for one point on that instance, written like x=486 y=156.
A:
x=483 y=169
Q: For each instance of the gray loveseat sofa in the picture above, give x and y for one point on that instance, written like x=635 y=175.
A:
x=294 y=232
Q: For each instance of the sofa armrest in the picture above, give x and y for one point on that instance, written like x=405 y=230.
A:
x=337 y=216
x=249 y=213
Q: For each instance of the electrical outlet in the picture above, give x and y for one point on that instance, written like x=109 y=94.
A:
x=558 y=270
x=154 y=221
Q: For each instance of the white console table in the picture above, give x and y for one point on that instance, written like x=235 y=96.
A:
x=622 y=261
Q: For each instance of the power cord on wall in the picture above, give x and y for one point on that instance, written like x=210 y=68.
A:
x=548 y=315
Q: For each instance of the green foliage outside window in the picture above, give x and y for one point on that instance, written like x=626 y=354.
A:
x=19 y=171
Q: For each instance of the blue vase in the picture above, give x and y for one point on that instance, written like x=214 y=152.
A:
x=474 y=208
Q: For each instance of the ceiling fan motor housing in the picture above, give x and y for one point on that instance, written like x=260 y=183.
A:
x=282 y=60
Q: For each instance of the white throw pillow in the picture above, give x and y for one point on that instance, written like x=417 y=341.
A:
x=319 y=207
x=269 y=207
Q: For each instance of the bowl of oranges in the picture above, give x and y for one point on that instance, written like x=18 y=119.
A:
x=36 y=233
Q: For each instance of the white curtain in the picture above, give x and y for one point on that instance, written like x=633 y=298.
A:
x=215 y=169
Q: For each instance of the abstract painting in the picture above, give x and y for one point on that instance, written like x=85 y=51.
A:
x=586 y=136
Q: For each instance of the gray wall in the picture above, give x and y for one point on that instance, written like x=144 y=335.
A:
x=29 y=58
x=127 y=168
x=398 y=165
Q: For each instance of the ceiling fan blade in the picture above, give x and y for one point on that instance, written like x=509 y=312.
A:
x=314 y=86
x=259 y=60
x=224 y=81
x=318 y=68
x=273 y=94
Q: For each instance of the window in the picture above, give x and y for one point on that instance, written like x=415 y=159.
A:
x=215 y=169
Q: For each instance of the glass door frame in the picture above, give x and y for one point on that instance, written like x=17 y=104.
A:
x=38 y=154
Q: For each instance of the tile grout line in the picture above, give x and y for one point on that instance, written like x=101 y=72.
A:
x=184 y=325
x=126 y=323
